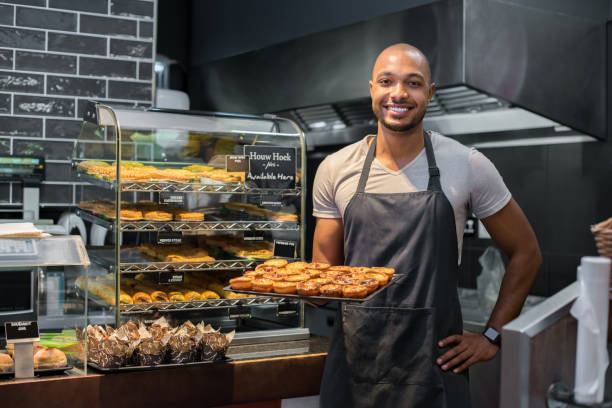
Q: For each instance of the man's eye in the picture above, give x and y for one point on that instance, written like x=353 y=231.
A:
x=414 y=83
x=384 y=82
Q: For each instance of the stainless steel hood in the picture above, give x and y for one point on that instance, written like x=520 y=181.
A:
x=500 y=65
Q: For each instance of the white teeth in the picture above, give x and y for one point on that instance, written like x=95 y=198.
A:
x=395 y=109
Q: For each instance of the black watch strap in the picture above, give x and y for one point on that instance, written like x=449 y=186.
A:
x=492 y=335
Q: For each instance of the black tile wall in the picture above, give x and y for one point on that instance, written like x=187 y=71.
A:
x=42 y=105
x=77 y=43
x=6 y=14
x=145 y=70
x=145 y=29
x=40 y=3
x=49 y=19
x=108 y=25
x=4 y=190
x=132 y=8
x=17 y=193
x=5 y=103
x=129 y=90
x=22 y=38
x=6 y=59
x=129 y=48
x=93 y=6
x=56 y=55
x=45 y=62
x=17 y=82
x=58 y=85
x=62 y=128
x=20 y=126
x=113 y=68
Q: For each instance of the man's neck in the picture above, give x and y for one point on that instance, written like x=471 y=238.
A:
x=396 y=149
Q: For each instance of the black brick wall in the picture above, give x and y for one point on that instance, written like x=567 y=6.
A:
x=54 y=56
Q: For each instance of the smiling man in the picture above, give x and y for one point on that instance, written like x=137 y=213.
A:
x=400 y=199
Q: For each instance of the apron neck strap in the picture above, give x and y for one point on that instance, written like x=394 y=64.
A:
x=434 y=172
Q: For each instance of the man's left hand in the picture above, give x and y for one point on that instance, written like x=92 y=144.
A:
x=470 y=348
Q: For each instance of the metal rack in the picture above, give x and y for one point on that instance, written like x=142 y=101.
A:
x=175 y=186
x=191 y=226
x=207 y=304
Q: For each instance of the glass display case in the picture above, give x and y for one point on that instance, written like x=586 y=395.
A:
x=179 y=202
x=38 y=280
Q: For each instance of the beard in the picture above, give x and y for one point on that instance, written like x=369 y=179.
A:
x=403 y=127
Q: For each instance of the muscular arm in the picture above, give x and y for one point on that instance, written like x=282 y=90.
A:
x=328 y=245
x=513 y=234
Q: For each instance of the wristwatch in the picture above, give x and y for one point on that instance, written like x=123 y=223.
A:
x=492 y=335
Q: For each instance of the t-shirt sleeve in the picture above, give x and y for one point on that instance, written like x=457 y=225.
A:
x=488 y=193
x=323 y=200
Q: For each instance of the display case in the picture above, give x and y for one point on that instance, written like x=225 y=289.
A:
x=37 y=286
x=178 y=202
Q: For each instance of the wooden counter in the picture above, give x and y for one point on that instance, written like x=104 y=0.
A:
x=202 y=386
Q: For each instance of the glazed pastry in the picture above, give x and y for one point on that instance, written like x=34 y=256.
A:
x=345 y=280
x=159 y=296
x=284 y=287
x=340 y=268
x=321 y=281
x=331 y=290
x=380 y=277
x=279 y=263
x=130 y=215
x=314 y=273
x=361 y=269
x=318 y=265
x=387 y=271
x=276 y=277
x=266 y=268
x=182 y=215
x=50 y=358
x=241 y=283
x=370 y=284
x=141 y=297
x=192 y=295
x=254 y=274
x=209 y=294
x=157 y=215
x=308 y=288
x=6 y=363
x=297 y=265
x=262 y=285
x=354 y=291
x=297 y=278
x=176 y=297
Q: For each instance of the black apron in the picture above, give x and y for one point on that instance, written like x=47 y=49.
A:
x=383 y=352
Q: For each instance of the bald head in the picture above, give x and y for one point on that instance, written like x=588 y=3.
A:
x=401 y=53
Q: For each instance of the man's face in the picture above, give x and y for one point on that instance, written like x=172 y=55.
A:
x=400 y=89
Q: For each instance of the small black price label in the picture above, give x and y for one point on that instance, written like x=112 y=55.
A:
x=271 y=200
x=172 y=198
x=284 y=249
x=169 y=238
x=171 y=278
x=21 y=331
x=253 y=235
x=237 y=163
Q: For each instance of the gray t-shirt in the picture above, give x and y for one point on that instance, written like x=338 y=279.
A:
x=469 y=180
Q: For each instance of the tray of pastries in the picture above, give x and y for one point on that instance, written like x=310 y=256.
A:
x=140 y=211
x=252 y=211
x=137 y=346
x=47 y=361
x=277 y=277
x=239 y=248
x=136 y=171
x=142 y=289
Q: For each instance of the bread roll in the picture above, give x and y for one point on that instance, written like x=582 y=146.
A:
x=50 y=358
x=6 y=363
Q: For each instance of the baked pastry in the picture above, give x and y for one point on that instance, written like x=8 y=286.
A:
x=50 y=358
x=297 y=278
x=192 y=295
x=263 y=285
x=340 y=268
x=387 y=271
x=284 y=287
x=279 y=263
x=141 y=297
x=275 y=276
x=157 y=216
x=6 y=363
x=266 y=268
x=321 y=281
x=380 y=277
x=354 y=291
x=370 y=284
x=318 y=265
x=308 y=288
x=254 y=274
x=241 y=283
x=331 y=290
x=176 y=297
x=297 y=265
x=183 y=215
x=209 y=294
x=159 y=296
x=130 y=215
x=360 y=269
x=346 y=280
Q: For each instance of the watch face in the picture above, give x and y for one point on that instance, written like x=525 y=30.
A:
x=492 y=335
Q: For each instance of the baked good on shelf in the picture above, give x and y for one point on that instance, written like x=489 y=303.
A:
x=331 y=290
x=6 y=363
x=387 y=271
x=297 y=278
x=266 y=268
x=130 y=215
x=182 y=215
x=209 y=294
x=279 y=263
x=157 y=215
x=241 y=283
x=380 y=277
x=299 y=265
x=340 y=268
x=284 y=287
x=49 y=358
x=159 y=296
x=263 y=285
x=354 y=291
x=370 y=284
x=307 y=288
x=320 y=281
x=141 y=297
x=176 y=297
x=318 y=265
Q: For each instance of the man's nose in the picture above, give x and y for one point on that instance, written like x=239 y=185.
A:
x=399 y=91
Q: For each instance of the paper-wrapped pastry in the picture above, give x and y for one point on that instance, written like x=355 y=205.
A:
x=149 y=351
x=214 y=344
x=159 y=328
x=114 y=351
x=182 y=344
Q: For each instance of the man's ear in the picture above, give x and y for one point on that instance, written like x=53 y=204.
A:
x=432 y=90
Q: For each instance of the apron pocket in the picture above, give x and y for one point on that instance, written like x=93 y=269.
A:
x=390 y=345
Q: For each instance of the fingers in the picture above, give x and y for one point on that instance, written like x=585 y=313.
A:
x=461 y=357
x=451 y=353
x=455 y=338
x=465 y=365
